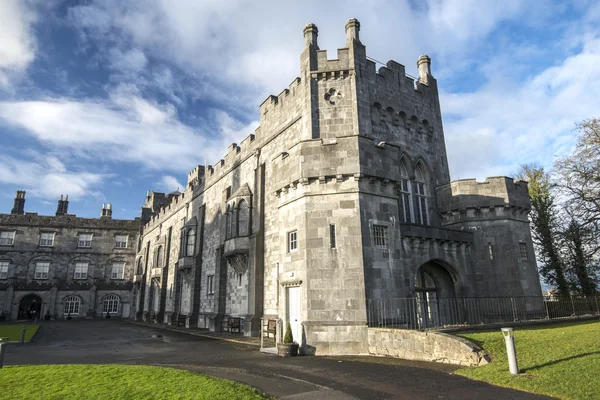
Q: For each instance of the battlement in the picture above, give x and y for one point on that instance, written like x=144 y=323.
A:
x=274 y=108
x=195 y=175
x=497 y=191
x=67 y=221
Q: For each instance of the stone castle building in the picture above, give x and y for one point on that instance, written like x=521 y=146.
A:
x=60 y=266
x=341 y=197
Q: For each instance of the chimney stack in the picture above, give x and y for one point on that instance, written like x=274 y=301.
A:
x=63 y=206
x=106 y=211
x=19 y=205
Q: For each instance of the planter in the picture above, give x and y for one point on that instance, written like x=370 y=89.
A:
x=287 y=349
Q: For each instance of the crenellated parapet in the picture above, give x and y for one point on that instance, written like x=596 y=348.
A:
x=497 y=197
x=67 y=221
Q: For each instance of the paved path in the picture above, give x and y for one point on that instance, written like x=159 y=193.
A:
x=113 y=341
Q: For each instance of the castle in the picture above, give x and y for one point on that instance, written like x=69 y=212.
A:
x=342 y=196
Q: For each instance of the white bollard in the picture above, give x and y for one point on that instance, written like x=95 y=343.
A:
x=509 y=338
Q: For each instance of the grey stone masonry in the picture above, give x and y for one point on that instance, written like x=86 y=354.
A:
x=64 y=265
x=341 y=197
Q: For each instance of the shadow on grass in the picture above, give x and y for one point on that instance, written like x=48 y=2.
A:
x=560 y=360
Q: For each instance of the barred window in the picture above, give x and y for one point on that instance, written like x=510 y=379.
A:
x=7 y=238
x=4 y=269
x=41 y=269
x=72 y=305
x=81 y=270
x=85 y=240
x=121 y=241
x=118 y=270
x=47 y=239
x=523 y=250
x=292 y=241
x=380 y=238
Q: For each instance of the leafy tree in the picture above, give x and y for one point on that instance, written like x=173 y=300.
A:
x=544 y=222
x=579 y=249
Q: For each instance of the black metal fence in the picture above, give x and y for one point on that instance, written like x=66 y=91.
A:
x=428 y=311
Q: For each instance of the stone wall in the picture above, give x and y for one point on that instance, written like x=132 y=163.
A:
x=425 y=346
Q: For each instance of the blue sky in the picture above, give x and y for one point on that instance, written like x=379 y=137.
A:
x=105 y=99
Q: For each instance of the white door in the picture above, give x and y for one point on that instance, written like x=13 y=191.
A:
x=125 y=310
x=294 y=315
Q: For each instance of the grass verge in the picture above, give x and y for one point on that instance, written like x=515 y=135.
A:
x=116 y=382
x=561 y=361
x=13 y=331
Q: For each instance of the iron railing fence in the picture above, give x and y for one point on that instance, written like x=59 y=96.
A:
x=428 y=311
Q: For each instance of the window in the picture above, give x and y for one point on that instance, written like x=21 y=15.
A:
x=110 y=304
x=121 y=241
x=81 y=270
x=523 y=250
x=405 y=202
x=47 y=239
x=421 y=197
x=159 y=257
x=332 y=236
x=140 y=268
x=209 y=284
x=85 y=240
x=191 y=242
x=41 y=269
x=72 y=304
x=243 y=219
x=491 y=251
x=292 y=241
x=228 y=223
x=118 y=270
x=7 y=238
x=239 y=279
x=3 y=269
x=380 y=236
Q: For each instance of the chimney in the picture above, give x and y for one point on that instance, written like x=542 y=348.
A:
x=19 y=205
x=63 y=206
x=424 y=65
x=352 y=29
x=106 y=211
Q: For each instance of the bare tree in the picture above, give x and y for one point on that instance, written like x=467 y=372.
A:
x=579 y=248
x=544 y=223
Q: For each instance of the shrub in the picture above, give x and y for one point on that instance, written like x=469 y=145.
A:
x=288 y=338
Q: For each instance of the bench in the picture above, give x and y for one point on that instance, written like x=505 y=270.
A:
x=232 y=324
x=181 y=319
x=271 y=327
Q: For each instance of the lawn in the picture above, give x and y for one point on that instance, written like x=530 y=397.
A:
x=116 y=382
x=561 y=361
x=13 y=332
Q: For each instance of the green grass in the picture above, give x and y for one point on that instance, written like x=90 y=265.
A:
x=116 y=382
x=561 y=361
x=13 y=331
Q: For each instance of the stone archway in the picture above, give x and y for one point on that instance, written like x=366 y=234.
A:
x=434 y=284
x=30 y=307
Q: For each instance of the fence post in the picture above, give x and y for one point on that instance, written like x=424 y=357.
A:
x=546 y=307
x=572 y=306
x=597 y=309
x=514 y=309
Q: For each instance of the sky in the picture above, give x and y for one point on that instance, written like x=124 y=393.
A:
x=106 y=99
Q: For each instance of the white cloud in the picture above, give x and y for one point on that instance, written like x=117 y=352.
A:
x=168 y=184
x=17 y=44
x=45 y=176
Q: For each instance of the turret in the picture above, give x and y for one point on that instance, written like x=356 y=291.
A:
x=310 y=36
x=19 y=204
x=352 y=29
x=424 y=66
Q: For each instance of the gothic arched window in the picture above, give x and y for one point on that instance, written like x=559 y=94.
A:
x=111 y=304
x=191 y=242
x=420 y=197
x=159 y=257
x=405 y=201
x=72 y=305
x=228 y=223
x=243 y=219
x=233 y=222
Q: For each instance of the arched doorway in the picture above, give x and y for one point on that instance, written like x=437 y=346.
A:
x=433 y=285
x=30 y=307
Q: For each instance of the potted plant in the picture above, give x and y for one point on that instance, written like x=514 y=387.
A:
x=289 y=347
x=47 y=316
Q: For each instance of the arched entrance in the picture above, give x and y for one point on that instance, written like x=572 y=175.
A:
x=30 y=307
x=433 y=284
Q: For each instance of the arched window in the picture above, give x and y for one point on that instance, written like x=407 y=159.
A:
x=72 y=305
x=234 y=232
x=228 y=223
x=405 y=201
x=420 y=197
x=191 y=242
x=111 y=304
x=140 y=267
x=243 y=219
x=159 y=256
